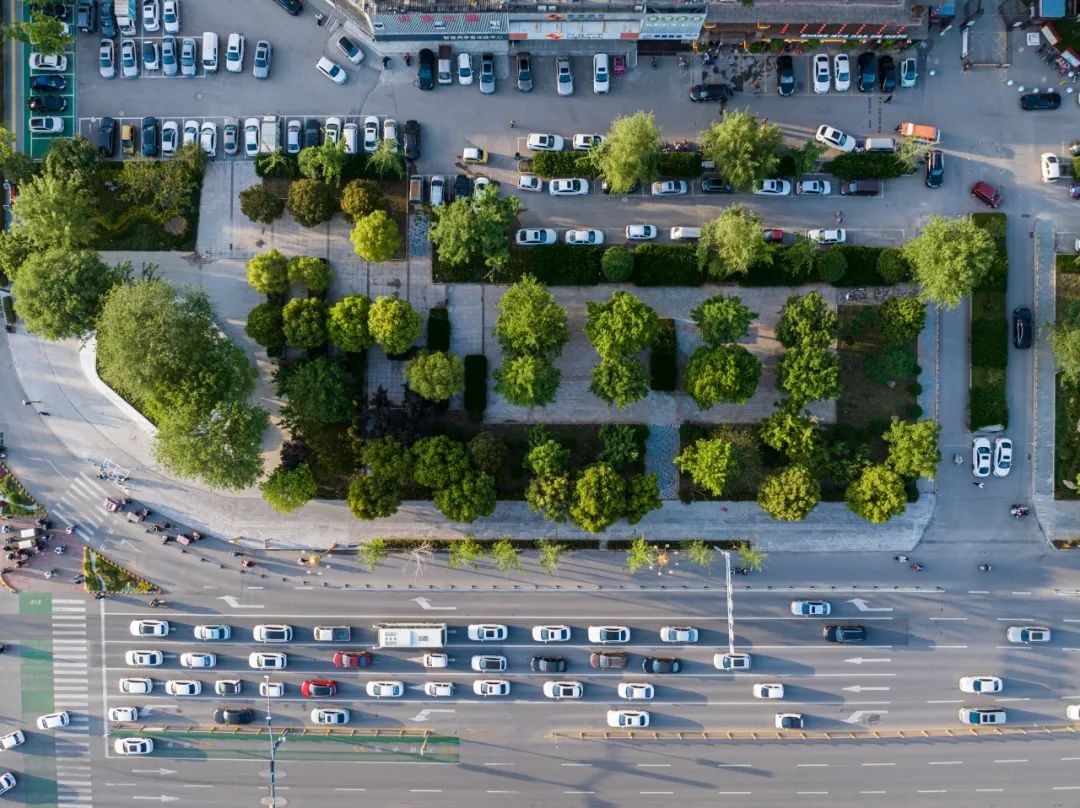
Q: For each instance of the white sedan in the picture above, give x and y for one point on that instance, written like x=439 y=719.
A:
x=768 y=690
x=822 y=236
x=183 y=687
x=842 y=72
x=530 y=182
x=627 y=718
x=208 y=138
x=482 y=632
x=587 y=142
x=170 y=138
x=535 y=236
x=822 y=78
x=213 y=632
x=813 y=187
x=731 y=662
x=190 y=660
x=568 y=187
x=333 y=71
x=669 y=188
x=136 y=686
x=488 y=662
x=678 y=634
x=1051 y=167
x=1002 y=457
x=563 y=690
x=385 y=690
x=338 y=715
x=264 y=661
x=149 y=628
x=772 y=187
x=133 y=746
x=835 y=138
x=980 y=457
x=491 y=687
x=144 y=659
x=609 y=634
x=150 y=10
x=123 y=715
x=587 y=237
x=171 y=16
x=107 y=59
x=12 y=739
x=371 y=133
x=54 y=720
x=636 y=691
x=539 y=141
x=439 y=689
x=251 y=139
x=191 y=132
x=551 y=633
x=7 y=782
x=811 y=608
x=981 y=684
x=641 y=232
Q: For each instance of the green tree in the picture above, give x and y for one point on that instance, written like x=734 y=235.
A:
x=530 y=321
x=435 y=375
x=372 y=551
x=599 y=498
x=806 y=320
x=505 y=556
x=831 y=265
x=547 y=458
x=949 y=258
x=311 y=202
x=790 y=494
x=466 y=498
x=15 y=165
x=260 y=204
x=438 y=461
x=723 y=319
x=474 y=227
x=721 y=373
x=550 y=496
x=621 y=326
x=264 y=325
x=620 y=381
x=348 y=323
x=59 y=292
x=617 y=264
x=268 y=273
x=318 y=391
x=373 y=498
x=750 y=556
x=394 y=324
x=798 y=260
x=878 y=495
x=44 y=33
x=76 y=160
x=376 y=237
x=488 y=452
x=640 y=555
x=708 y=462
x=171 y=185
x=324 y=162
x=642 y=496
x=902 y=319
x=621 y=445
x=276 y=164
x=222 y=447
x=894 y=364
x=387 y=459
x=805 y=157
x=913 y=448
x=311 y=272
x=304 y=321
x=288 y=489
x=466 y=552
x=809 y=373
x=54 y=212
x=892 y=266
x=360 y=198
x=700 y=552
x=528 y=381
x=731 y=243
x=630 y=153
x=551 y=553
x=1065 y=340
x=794 y=435
x=386 y=162
x=747 y=149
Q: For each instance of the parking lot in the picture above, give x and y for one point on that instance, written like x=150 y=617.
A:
x=36 y=143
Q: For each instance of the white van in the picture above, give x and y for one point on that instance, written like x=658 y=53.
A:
x=601 y=81
x=685 y=233
x=879 y=144
x=209 y=52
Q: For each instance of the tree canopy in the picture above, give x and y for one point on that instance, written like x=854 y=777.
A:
x=621 y=326
x=721 y=373
x=901 y=319
x=318 y=391
x=788 y=431
x=809 y=373
x=56 y=212
x=913 y=448
x=288 y=489
x=732 y=243
x=949 y=258
x=268 y=273
x=806 y=320
x=260 y=204
x=877 y=495
x=376 y=237
x=723 y=319
x=474 y=227
x=527 y=381
x=789 y=494
x=467 y=497
x=304 y=321
x=746 y=148
x=311 y=202
x=311 y=272
x=348 y=323
x=530 y=321
x=394 y=324
x=264 y=325
x=360 y=198
x=709 y=463
x=221 y=447
x=435 y=375
x=59 y=292
x=621 y=380
x=630 y=152
x=599 y=498
x=324 y=162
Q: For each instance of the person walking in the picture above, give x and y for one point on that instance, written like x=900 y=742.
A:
x=889 y=98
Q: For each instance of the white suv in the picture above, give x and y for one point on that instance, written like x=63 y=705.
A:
x=234 y=54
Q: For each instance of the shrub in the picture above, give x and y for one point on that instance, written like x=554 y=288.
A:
x=901 y=319
x=276 y=164
x=622 y=445
x=667 y=265
x=989 y=342
x=311 y=202
x=563 y=164
x=376 y=237
x=264 y=325
x=617 y=264
x=892 y=266
x=312 y=272
x=476 y=385
x=268 y=273
x=987 y=406
x=620 y=380
x=438 y=329
x=726 y=373
x=304 y=322
x=561 y=264
x=894 y=364
x=435 y=375
x=679 y=164
x=866 y=165
x=527 y=381
x=831 y=266
x=360 y=198
x=488 y=452
x=861 y=269
x=260 y=204
x=663 y=358
x=393 y=324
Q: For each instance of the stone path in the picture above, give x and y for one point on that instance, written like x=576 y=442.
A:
x=661 y=449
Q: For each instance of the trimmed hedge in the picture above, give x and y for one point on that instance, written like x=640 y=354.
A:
x=989 y=342
x=862 y=266
x=438 y=329
x=866 y=166
x=476 y=386
x=559 y=264
x=989 y=339
x=563 y=164
x=679 y=164
x=663 y=358
x=667 y=265
x=987 y=406
x=997 y=279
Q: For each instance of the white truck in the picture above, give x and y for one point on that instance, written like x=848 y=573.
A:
x=410 y=635
x=333 y=634
x=125 y=11
x=269 y=134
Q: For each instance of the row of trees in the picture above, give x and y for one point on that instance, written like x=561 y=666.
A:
x=44 y=33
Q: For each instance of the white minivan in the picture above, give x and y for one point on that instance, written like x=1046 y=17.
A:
x=685 y=233
x=601 y=76
x=210 y=52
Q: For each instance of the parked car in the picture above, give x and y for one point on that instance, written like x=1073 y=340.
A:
x=129 y=62
x=669 y=188
x=1036 y=101
x=106 y=137
x=333 y=131
x=835 y=138
x=230 y=137
x=601 y=81
x=151 y=56
x=208 y=138
x=149 y=136
x=260 y=65
x=170 y=16
x=587 y=142
x=568 y=187
x=293 y=7
x=564 y=75
x=437 y=192
x=108 y=19
x=785 y=75
x=234 y=53
x=715 y=185
x=1022 y=327
x=351 y=50
x=591 y=238
x=191 y=132
x=49 y=64
x=170 y=141
x=535 y=237
x=985 y=193
x=813 y=187
x=487 y=73
x=1003 y=452
x=772 y=187
x=833 y=236
x=542 y=141
x=371 y=133
x=189 y=57
x=425 y=70
x=841 y=72
x=909 y=72
x=312 y=133
x=887 y=72
x=335 y=72
x=251 y=137
x=1050 y=167
x=709 y=92
x=51 y=83
x=150 y=15
x=981 y=457
x=412 y=140
x=46 y=124
x=935 y=168
x=822 y=76
x=867 y=72
x=641 y=232
x=106 y=61
x=524 y=73
x=46 y=103
x=464 y=68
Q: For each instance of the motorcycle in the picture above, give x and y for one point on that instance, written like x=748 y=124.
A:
x=917 y=568
x=984 y=568
x=385 y=62
x=1019 y=511
x=60 y=550
x=655 y=63
x=155 y=603
x=408 y=59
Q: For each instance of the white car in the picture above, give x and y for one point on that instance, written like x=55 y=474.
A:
x=835 y=138
x=435 y=660
x=586 y=237
x=234 y=53
x=371 y=133
x=788 y=721
x=768 y=690
x=563 y=690
x=482 y=182
x=183 y=687
x=294 y=136
x=149 y=628
x=190 y=660
x=385 y=690
x=678 y=634
x=464 y=69
x=129 y=61
x=133 y=746
x=813 y=187
x=487 y=662
x=601 y=77
x=822 y=78
x=539 y=141
x=636 y=691
x=208 y=138
x=772 y=187
x=337 y=715
x=587 y=142
x=12 y=739
x=333 y=71
x=51 y=63
x=171 y=16
x=46 y=124
x=265 y=661
x=136 y=686
x=260 y=64
x=170 y=138
x=980 y=457
x=981 y=684
x=332 y=130
x=439 y=689
x=107 y=59
x=491 y=687
x=352 y=51
x=150 y=11
x=271 y=690
x=609 y=634
x=191 y=132
x=228 y=687
x=641 y=232
x=731 y=662
x=7 y=782
x=390 y=133
x=669 y=188
x=627 y=718
x=350 y=136
x=213 y=632
x=272 y=633
x=811 y=608
x=169 y=65
x=54 y=720
x=1051 y=167
x=831 y=236
x=251 y=136
x=144 y=659
x=568 y=187
x=530 y=182
x=485 y=632
x=1027 y=634
x=535 y=236
x=564 y=76
x=123 y=715
x=841 y=72
x=551 y=633
x=1072 y=712
x=1002 y=457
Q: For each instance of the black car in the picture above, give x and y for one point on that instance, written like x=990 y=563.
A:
x=709 y=92
x=935 y=169
x=524 y=73
x=312 y=133
x=1049 y=100
x=867 y=73
x=48 y=84
x=844 y=634
x=46 y=103
x=785 y=75
x=661 y=665
x=234 y=715
x=1022 y=328
x=412 y=140
x=548 y=664
x=887 y=71
x=149 y=137
x=292 y=6
x=425 y=69
x=86 y=16
x=106 y=137
x=462 y=186
x=108 y=19
x=715 y=185
x=606 y=188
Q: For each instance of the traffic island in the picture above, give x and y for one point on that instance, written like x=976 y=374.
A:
x=105 y=575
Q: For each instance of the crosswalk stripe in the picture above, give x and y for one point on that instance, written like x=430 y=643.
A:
x=69 y=601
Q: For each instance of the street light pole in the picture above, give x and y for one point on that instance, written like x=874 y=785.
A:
x=273 y=744
x=730 y=602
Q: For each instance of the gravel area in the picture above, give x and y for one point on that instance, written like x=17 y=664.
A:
x=661 y=447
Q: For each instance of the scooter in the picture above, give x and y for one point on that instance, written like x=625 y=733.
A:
x=155 y=603
x=984 y=568
x=385 y=62
x=655 y=63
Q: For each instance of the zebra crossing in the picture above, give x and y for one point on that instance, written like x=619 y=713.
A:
x=80 y=505
x=71 y=692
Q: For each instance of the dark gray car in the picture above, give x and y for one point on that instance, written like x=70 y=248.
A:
x=487 y=73
x=524 y=73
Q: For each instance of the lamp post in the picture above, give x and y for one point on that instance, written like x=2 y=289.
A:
x=730 y=602
x=273 y=744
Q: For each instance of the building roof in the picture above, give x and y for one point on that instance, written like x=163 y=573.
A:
x=881 y=12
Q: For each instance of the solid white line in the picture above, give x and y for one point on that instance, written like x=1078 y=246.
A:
x=947 y=618
x=931 y=791
x=500 y=764
x=873 y=792
x=197 y=785
x=490 y=791
x=811 y=765
x=1021 y=593
x=425 y=791
x=733 y=793
x=948 y=646
x=811 y=793
x=344 y=788
x=579 y=792
x=1012 y=760
x=1071 y=620
x=653 y=765
x=946 y=701
x=944 y=762
x=988 y=790
x=1015 y=619
x=735 y=766
x=656 y=792
x=1017 y=698
x=1065 y=788
x=878 y=764
x=978 y=591
x=1071 y=758
x=575 y=764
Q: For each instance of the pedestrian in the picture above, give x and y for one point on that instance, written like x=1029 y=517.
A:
x=888 y=98
x=517 y=155
x=513 y=123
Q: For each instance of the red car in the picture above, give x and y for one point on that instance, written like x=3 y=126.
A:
x=352 y=659
x=985 y=193
x=773 y=236
x=319 y=688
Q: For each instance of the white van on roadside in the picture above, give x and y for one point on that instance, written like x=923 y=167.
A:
x=685 y=233
x=210 y=52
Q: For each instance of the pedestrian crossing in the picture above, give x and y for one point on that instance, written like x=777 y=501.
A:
x=80 y=505
x=71 y=692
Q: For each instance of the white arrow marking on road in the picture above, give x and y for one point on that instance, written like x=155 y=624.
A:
x=425 y=604
x=857 y=716
x=162 y=798
x=153 y=771
x=423 y=714
x=860 y=660
x=862 y=606
x=236 y=604
x=861 y=688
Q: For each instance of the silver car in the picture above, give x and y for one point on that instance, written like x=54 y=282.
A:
x=189 y=57
x=107 y=59
x=294 y=130
x=208 y=138
x=260 y=68
x=564 y=75
x=129 y=62
x=169 y=65
x=231 y=142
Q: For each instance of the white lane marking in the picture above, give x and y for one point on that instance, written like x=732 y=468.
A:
x=491 y=791
x=734 y=766
x=653 y=765
x=575 y=764
x=878 y=764
x=197 y=785
x=1071 y=758
x=863 y=606
x=1012 y=760
x=873 y=792
x=500 y=764
x=931 y=791
x=978 y=591
x=344 y=788
x=948 y=646
x=1021 y=593
x=1065 y=788
x=579 y=792
x=1017 y=698
x=1015 y=619
x=946 y=701
x=1071 y=620
x=665 y=793
x=988 y=790
x=812 y=765
x=946 y=618
x=944 y=762
x=811 y=793
x=425 y=791
x=734 y=793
